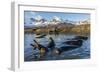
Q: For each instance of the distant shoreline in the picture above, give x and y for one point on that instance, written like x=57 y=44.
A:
x=77 y=29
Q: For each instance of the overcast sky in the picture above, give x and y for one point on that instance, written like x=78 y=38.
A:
x=49 y=15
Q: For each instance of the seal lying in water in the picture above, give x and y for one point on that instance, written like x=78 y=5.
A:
x=44 y=50
x=80 y=37
x=74 y=42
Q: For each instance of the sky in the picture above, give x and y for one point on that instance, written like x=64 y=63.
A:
x=49 y=15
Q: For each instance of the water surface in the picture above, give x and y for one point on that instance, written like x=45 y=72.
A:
x=80 y=53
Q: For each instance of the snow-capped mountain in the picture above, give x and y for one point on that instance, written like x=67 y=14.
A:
x=83 y=22
x=40 y=21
